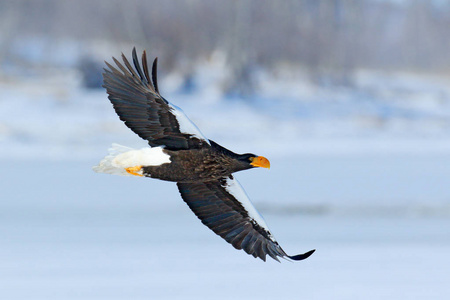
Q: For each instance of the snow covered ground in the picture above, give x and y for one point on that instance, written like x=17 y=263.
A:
x=360 y=174
x=68 y=233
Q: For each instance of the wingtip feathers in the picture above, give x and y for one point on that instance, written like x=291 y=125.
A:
x=137 y=72
x=154 y=74
x=302 y=256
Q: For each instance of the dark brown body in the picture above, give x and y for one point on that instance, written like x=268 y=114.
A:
x=197 y=165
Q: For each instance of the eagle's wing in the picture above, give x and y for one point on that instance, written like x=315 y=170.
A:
x=225 y=208
x=136 y=99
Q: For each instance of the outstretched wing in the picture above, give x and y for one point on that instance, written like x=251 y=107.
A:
x=225 y=208
x=136 y=99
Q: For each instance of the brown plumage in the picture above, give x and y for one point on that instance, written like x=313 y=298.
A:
x=194 y=165
x=202 y=168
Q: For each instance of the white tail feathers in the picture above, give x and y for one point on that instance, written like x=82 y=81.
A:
x=121 y=157
x=107 y=164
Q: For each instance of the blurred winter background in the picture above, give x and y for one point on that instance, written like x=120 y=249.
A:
x=350 y=100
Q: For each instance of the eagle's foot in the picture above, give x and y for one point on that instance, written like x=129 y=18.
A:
x=134 y=170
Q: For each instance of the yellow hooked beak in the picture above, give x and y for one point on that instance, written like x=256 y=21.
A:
x=260 y=161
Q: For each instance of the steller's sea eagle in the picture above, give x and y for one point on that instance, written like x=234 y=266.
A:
x=179 y=152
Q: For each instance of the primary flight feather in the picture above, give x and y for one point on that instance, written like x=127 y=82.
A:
x=179 y=152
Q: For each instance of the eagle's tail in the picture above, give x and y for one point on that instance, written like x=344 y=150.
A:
x=109 y=164
x=126 y=161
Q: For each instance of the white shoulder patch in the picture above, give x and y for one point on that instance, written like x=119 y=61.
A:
x=122 y=157
x=234 y=188
x=186 y=125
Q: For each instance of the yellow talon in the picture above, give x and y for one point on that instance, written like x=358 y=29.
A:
x=134 y=170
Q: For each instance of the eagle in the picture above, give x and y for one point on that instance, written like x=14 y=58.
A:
x=179 y=152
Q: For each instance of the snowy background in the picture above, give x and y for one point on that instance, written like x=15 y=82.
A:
x=360 y=153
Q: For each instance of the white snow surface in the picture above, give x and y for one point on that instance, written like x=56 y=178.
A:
x=53 y=117
x=69 y=233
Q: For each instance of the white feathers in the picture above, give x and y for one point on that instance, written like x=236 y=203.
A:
x=186 y=125
x=235 y=189
x=122 y=157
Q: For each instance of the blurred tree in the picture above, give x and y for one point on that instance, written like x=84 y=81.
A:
x=330 y=38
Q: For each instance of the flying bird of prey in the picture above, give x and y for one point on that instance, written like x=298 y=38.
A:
x=179 y=152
